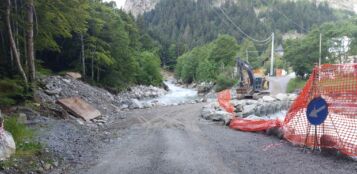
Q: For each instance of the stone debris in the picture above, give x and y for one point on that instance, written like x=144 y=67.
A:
x=263 y=108
x=213 y=112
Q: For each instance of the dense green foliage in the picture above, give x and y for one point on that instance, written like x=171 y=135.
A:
x=185 y=24
x=210 y=62
x=302 y=54
x=117 y=52
x=294 y=84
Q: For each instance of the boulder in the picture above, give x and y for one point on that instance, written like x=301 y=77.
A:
x=209 y=112
x=248 y=110
x=292 y=97
x=7 y=145
x=268 y=98
x=282 y=96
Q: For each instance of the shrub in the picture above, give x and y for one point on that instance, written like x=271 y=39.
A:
x=11 y=92
x=294 y=84
x=224 y=82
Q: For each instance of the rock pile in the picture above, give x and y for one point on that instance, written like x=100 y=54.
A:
x=58 y=87
x=214 y=112
x=255 y=109
x=265 y=106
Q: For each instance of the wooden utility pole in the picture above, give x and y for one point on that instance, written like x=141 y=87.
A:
x=272 y=56
x=320 y=50
x=12 y=42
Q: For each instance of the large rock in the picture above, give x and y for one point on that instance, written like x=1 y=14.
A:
x=282 y=96
x=7 y=145
x=268 y=98
x=292 y=97
x=248 y=110
x=210 y=112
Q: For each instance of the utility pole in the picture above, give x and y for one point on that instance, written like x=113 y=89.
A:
x=320 y=51
x=272 y=56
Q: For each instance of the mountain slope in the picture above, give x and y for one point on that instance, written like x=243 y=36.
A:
x=137 y=7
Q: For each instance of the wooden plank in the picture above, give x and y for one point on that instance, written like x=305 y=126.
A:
x=79 y=108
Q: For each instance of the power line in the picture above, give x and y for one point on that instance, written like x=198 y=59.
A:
x=249 y=37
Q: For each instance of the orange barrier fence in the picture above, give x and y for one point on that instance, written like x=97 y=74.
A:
x=337 y=84
x=224 y=98
x=248 y=125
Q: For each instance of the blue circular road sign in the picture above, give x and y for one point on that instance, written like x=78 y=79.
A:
x=317 y=111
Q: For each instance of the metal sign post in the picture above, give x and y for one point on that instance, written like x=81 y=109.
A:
x=316 y=113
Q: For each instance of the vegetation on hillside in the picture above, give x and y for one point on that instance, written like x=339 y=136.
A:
x=102 y=42
x=302 y=54
x=180 y=26
x=208 y=62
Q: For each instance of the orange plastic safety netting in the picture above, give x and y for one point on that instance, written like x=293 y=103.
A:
x=337 y=84
x=224 y=98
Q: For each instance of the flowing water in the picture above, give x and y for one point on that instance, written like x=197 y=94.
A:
x=175 y=95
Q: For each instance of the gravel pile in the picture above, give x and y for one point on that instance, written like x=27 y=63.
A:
x=58 y=87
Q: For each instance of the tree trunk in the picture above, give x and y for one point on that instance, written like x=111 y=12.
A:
x=98 y=73
x=30 y=41
x=93 y=54
x=12 y=42
x=83 y=58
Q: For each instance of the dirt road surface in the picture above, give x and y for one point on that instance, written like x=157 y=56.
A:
x=175 y=140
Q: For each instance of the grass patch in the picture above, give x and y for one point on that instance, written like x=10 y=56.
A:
x=23 y=136
x=296 y=83
x=28 y=151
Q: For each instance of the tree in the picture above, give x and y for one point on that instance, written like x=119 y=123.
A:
x=224 y=51
x=30 y=42
x=12 y=42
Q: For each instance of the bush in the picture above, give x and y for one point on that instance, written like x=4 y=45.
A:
x=11 y=92
x=224 y=82
x=149 y=69
x=294 y=84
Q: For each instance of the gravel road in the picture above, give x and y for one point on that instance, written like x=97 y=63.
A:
x=175 y=140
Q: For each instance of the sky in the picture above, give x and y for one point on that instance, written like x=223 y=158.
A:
x=120 y=3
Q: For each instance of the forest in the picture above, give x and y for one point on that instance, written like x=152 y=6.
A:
x=105 y=44
x=182 y=25
x=196 y=39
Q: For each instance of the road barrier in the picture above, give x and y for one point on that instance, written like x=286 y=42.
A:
x=337 y=86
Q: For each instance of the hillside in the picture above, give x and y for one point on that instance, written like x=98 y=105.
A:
x=137 y=7
x=182 y=25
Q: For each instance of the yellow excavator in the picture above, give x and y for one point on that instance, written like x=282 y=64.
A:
x=250 y=85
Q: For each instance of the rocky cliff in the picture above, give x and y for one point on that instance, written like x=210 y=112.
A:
x=137 y=7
